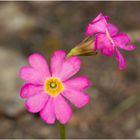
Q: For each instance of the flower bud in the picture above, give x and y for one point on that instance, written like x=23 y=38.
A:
x=85 y=48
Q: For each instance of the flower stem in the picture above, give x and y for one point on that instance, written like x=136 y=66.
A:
x=62 y=131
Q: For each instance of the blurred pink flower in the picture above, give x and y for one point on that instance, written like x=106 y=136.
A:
x=46 y=92
x=108 y=40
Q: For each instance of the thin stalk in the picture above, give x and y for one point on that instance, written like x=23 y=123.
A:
x=62 y=131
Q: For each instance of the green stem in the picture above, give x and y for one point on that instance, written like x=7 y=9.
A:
x=62 y=131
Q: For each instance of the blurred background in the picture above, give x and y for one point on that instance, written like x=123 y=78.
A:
x=27 y=27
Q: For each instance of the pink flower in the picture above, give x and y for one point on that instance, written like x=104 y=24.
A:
x=46 y=92
x=108 y=40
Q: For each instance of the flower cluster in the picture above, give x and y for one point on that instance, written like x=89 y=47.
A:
x=108 y=40
x=46 y=91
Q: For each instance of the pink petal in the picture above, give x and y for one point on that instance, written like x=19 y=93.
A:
x=104 y=45
x=70 y=67
x=98 y=25
x=57 y=61
x=121 y=60
x=39 y=63
x=47 y=113
x=80 y=83
x=128 y=47
x=113 y=30
x=35 y=103
x=63 y=111
x=29 y=90
x=31 y=75
x=99 y=17
x=78 y=98
x=122 y=40
x=89 y=30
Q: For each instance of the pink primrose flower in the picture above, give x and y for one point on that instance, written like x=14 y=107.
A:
x=46 y=92
x=107 y=39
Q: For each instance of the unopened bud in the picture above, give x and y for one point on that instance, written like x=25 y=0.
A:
x=85 y=48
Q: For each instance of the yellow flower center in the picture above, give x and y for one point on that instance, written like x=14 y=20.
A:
x=53 y=86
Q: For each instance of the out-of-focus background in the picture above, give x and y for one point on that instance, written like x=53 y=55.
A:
x=27 y=27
